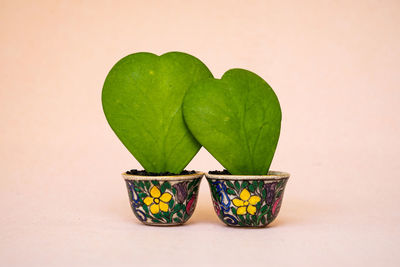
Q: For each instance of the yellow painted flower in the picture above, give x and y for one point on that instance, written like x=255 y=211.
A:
x=157 y=201
x=246 y=203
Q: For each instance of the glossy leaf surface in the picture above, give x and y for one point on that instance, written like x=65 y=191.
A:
x=142 y=100
x=237 y=119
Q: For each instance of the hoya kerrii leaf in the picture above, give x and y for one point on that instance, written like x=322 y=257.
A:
x=142 y=101
x=237 y=119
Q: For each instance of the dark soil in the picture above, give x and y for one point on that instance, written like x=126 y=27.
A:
x=145 y=173
x=224 y=172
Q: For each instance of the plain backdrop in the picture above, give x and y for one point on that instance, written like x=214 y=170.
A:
x=335 y=66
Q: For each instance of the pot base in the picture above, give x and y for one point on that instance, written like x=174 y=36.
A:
x=163 y=224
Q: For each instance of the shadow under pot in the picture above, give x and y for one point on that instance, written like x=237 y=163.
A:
x=163 y=200
x=247 y=200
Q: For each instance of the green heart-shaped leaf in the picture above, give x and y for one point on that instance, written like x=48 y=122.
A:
x=142 y=100
x=237 y=119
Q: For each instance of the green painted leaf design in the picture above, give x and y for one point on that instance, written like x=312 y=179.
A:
x=138 y=189
x=142 y=195
x=178 y=207
x=263 y=220
x=237 y=185
x=155 y=182
x=251 y=188
x=157 y=215
x=185 y=216
x=255 y=184
x=165 y=186
x=264 y=194
x=191 y=184
x=234 y=210
x=244 y=184
x=254 y=219
x=230 y=191
x=237 y=119
x=260 y=185
x=166 y=216
x=171 y=203
x=146 y=209
x=195 y=189
x=147 y=184
x=264 y=208
x=142 y=101
x=229 y=184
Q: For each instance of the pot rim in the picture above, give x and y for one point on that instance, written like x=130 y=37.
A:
x=132 y=177
x=272 y=175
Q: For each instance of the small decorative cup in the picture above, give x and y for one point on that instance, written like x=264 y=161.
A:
x=247 y=200
x=163 y=200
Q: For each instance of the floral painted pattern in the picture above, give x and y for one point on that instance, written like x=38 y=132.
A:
x=156 y=201
x=247 y=202
x=163 y=202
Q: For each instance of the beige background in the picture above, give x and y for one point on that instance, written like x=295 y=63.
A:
x=333 y=64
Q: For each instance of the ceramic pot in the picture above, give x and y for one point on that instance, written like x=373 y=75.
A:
x=247 y=200
x=163 y=200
